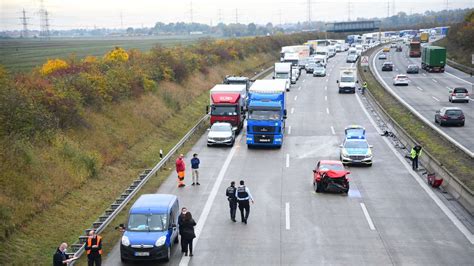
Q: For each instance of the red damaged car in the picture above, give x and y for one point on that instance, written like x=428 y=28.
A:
x=330 y=176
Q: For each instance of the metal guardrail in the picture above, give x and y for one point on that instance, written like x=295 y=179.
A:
x=116 y=207
x=412 y=110
x=461 y=67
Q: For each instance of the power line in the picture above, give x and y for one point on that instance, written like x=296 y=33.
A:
x=44 y=21
x=309 y=11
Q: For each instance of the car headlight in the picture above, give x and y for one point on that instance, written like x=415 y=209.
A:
x=125 y=241
x=161 y=241
x=344 y=153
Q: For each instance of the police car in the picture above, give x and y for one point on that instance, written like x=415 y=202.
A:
x=356 y=151
x=354 y=132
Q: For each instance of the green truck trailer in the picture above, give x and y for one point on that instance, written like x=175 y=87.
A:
x=433 y=58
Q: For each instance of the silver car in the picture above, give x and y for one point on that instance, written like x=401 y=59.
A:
x=458 y=95
x=221 y=133
x=319 y=71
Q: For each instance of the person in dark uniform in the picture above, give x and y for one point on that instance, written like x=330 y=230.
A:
x=184 y=210
x=187 y=234
x=244 y=197
x=94 y=249
x=231 y=197
x=60 y=258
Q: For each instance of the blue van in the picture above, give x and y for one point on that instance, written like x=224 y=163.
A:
x=151 y=229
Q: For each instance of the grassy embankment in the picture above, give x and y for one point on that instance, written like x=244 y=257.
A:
x=24 y=55
x=130 y=139
x=455 y=160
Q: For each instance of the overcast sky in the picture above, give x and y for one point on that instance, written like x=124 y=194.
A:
x=67 y=14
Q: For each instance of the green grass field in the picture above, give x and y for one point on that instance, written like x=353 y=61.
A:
x=23 y=55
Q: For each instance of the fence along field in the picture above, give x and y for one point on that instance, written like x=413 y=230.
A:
x=23 y=55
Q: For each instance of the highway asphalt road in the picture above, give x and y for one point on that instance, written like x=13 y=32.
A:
x=428 y=92
x=386 y=219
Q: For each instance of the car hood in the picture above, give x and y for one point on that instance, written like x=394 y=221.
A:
x=219 y=134
x=346 y=84
x=357 y=151
x=144 y=238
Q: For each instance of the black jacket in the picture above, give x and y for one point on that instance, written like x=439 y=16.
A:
x=187 y=229
x=59 y=257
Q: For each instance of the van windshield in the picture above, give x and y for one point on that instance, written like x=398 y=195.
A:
x=147 y=222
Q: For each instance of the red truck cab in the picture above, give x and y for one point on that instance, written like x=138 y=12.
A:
x=415 y=49
x=228 y=103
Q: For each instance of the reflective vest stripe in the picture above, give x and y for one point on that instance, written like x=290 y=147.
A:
x=89 y=244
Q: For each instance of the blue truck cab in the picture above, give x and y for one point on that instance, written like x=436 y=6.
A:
x=266 y=113
x=151 y=229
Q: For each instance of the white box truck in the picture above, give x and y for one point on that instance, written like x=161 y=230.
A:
x=283 y=71
x=347 y=79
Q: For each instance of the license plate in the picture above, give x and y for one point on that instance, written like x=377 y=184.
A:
x=142 y=254
x=264 y=140
x=460 y=94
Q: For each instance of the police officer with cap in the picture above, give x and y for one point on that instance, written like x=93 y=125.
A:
x=243 y=197
x=231 y=197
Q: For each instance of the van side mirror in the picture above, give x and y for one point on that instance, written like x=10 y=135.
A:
x=357 y=81
x=273 y=77
x=314 y=171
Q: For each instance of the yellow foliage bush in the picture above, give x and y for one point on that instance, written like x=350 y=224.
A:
x=53 y=65
x=89 y=59
x=116 y=55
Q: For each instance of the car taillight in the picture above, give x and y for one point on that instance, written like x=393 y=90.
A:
x=453 y=94
x=461 y=116
x=444 y=117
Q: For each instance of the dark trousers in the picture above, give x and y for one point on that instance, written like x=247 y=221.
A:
x=414 y=163
x=233 y=208
x=94 y=260
x=187 y=243
x=244 y=205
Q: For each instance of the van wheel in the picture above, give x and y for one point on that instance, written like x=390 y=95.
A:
x=123 y=260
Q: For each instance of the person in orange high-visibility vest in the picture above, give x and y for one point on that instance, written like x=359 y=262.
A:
x=94 y=249
x=180 y=169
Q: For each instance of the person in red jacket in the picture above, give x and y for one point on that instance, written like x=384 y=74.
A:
x=180 y=169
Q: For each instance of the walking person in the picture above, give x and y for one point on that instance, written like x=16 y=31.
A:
x=244 y=197
x=180 y=222
x=180 y=170
x=231 y=197
x=414 y=154
x=94 y=249
x=187 y=234
x=195 y=169
x=60 y=257
x=364 y=87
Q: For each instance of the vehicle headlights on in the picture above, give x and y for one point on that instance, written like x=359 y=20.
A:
x=125 y=241
x=161 y=241
x=344 y=153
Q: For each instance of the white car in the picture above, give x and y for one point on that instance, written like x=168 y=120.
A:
x=221 y=133
x=400 y=80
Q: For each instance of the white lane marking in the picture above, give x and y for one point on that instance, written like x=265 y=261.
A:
x=292 y=110
x=458 y=78
x=424 y=74
x=333 y=131
x=327 y=110
x=287 y=215
x=326 y=98
x=325 y=88
x=329 y=75
x=367 y=216
x=448 y=88
x=434 y=80
x=287 y=160
x=436 y=99
x=296 y=97
x=396 y=69
x=289 y=130
x=299 y=88
x=419 y=88
x=327 y=80
x=304 y=80
x=461 y=227
x=210 y=200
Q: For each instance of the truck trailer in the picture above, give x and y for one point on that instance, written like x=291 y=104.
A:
x=266 y=113
x=283 y=71
x=433 y=58
x=415 y=49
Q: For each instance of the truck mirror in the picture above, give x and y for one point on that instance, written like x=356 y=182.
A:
x=357 y=81
x=207 y=109
x=337 y=81
x=273 y=77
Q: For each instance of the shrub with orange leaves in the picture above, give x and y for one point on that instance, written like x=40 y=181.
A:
x=53 y=65
x=116 y=55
